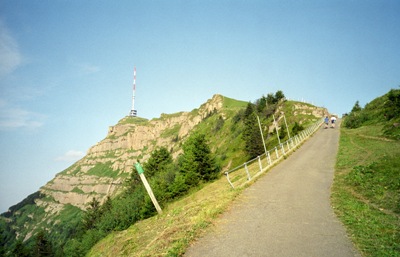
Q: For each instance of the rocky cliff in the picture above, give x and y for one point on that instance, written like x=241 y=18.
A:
x=101 y=172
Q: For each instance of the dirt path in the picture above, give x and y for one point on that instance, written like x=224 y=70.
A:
x=285 y=213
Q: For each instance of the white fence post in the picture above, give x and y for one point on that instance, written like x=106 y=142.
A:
x=229 y=181
x=247 y=171
x=269 y=158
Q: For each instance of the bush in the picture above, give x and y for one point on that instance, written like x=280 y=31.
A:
x=354 y=120
x=297 y=128
x=392 y=105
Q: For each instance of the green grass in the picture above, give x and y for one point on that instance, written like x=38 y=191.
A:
x=366 y=190
x=103 y=170
x=170 y=233
x=77 y=190
x=231 y=103
x=133 y=120
x=169 y=132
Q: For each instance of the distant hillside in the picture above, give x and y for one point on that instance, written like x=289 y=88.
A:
x=384 y=110
x=58 y=207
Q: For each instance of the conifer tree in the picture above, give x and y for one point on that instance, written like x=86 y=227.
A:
x=42 y=245
x=159 y=160
x=251 y=133
x=92 y=214
x=197 y=161
x=356 y=107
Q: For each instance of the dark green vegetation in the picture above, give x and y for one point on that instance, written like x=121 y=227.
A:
x=366 y=192
x=168 y=180
x=222 y=140
x=383 y=110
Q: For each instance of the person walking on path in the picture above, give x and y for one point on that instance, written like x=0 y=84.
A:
x=333 y=120
x=326 y=121
x=285 y=213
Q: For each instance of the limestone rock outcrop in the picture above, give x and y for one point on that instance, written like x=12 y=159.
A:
x=100 y=173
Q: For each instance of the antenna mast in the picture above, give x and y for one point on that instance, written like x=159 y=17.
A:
x=133 y=112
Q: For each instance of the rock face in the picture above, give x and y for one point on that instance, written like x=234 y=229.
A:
x=309 y=110
x=107 y=164
x=101 y=172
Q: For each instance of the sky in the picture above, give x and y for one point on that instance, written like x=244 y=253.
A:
x=66 y=67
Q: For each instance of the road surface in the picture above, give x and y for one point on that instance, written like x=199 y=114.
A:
x=285 y=213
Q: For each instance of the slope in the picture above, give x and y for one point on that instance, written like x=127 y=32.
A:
x=366 y=192
x=182 y=222
x=58 y=207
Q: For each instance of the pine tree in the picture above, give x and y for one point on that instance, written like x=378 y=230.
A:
x=251 y=133
x=356 y=107
x=279 y=96
x=92 y=214
x=197 y=162
x=42 y=245
x=19 y=250
x=159 y=160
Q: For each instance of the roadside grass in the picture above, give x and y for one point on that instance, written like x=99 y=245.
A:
x=170 y=233
x=366 y=190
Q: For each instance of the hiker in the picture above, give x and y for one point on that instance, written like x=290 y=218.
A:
x=333 y=120
x=326 y=121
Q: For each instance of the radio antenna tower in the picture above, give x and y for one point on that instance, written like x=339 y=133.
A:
x=133 y=112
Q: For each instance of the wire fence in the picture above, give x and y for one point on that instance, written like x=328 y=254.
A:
x=244 y=173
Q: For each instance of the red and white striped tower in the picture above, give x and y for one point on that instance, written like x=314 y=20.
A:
x=133 y=112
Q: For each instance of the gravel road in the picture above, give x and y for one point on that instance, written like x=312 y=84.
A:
x=287 y=212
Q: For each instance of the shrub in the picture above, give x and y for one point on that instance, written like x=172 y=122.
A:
x=297 y=128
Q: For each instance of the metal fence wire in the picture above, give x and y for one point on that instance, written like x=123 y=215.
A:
x=244 y=173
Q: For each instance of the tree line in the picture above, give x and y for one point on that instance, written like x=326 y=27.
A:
x=169 y=180
x=263 y=108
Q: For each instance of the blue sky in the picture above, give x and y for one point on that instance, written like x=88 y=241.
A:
x=66 y=67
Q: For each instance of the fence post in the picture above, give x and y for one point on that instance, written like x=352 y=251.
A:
x=283 y=149
x=229 y=181
x=247 y=171
x=276 y=152
x=262 y=136
x=269 y=158
x=259 y=163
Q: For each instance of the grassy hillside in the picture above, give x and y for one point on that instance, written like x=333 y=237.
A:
x=366 y=191
x=170 y=233
x=63 y=228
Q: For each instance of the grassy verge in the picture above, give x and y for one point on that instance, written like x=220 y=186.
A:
x=170 y=233
x=366 y=190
